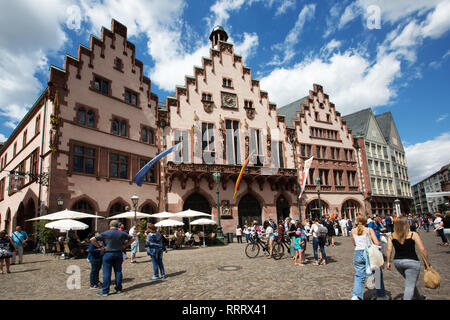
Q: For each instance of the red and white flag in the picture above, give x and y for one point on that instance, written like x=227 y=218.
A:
x=305 y=175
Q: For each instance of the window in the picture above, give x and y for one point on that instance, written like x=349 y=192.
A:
x=337 y=153
x=90 y=119
x=14 y=149
x=323 y=174
x=37 y=127
x=183 y=154
x=328 y=118
x=147 y=135
x=232 y=139
x=316 y=114
x=24 y=138
x=2 y=189
x=248 y=104
x=351 y=175
x=308 y=147
x=332 y=153
x=81 y=116
x=350 y=155
x=101 y=85
x=227 y=83
x=34 y=164
x=119 y=127
x=118 y=64
x=311 y=176
x=346 y=154
x=150 y=176
x=280 y=154
x=131 y=97
x=303 y=150
x=83 y=159
x=338 y=177
x=324 y=152
x=118 y=166
x=206 y=97
x=208 y=142
x=256 y=147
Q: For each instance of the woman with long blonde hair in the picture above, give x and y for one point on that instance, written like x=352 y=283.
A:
x=361 y=236
x=405 y=259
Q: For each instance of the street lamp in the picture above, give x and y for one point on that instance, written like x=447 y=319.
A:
x=292 y=141
x=135 y=200
x=163 y=176
x=60 y=202
x=317 y=180
x=220 y=237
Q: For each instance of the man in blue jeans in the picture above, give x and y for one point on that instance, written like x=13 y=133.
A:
x=112 y=258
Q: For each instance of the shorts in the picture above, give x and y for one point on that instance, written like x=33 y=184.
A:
x=271 y=237
x=299 y=251
x=134 y=247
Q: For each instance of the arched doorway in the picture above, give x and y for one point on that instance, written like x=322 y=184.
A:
x=351 y=209
x=283 y=208
x=249 y=210
x=312 y=209
x=8 y=221
x=24 y=213
x=149 y=210
x=196 y=202
x=117 y=208
x=85 y=207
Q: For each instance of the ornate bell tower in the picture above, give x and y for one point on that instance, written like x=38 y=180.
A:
x=218 y=34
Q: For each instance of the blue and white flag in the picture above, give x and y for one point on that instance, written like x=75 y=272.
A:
x=139 y=178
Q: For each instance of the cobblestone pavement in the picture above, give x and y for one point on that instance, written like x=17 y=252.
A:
x=195 y=274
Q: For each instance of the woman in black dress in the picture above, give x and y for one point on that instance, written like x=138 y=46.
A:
x=331 y=232
x=6 y=244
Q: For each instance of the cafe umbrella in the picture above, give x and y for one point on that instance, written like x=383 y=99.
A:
x=66 y=225
x=202 y=222
x=169 y=223
x=190 y=214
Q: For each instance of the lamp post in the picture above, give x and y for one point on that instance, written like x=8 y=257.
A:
x=397 y=207
x=356 y=146
x=60 y=202
x=317 y=180
x=135 y=200
x=220 y=237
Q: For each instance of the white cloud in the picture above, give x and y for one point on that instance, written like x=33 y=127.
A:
x=438 y=22
x=446 y=54
x=284 y=7
x=442 y=117
x=292 y=38
x=425 y=158
x=248 y=46
x=351 y=80
x=221 y=9
x=350 y=13
x=3 y=138
x=25 y=43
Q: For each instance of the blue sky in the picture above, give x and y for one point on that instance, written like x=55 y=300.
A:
x=389 y=55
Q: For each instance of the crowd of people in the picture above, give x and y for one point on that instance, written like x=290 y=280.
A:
x=398 y=235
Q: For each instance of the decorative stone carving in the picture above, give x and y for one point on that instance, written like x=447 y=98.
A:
x=208 y=106
x=250 y=112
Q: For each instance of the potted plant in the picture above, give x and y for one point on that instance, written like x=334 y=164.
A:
x=43 y=234
x=141 y=227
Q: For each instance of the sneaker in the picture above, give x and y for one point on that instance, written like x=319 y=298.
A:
x=355 y=298
x=101 y=294
x=118 y=291
x=163 y=277
x=92 y=287
x=133 y=262
x=154 y=278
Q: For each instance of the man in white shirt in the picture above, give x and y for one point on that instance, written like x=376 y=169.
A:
x=343 y=225
x=134 y=246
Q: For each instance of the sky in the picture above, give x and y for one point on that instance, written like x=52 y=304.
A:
x=389 y=55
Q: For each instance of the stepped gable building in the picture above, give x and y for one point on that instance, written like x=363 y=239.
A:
x=221 y=115
x=91 y=131
x=319 y=131
x=384 y=169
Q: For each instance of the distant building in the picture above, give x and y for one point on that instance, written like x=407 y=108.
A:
x=386 y=178
x=437 y=182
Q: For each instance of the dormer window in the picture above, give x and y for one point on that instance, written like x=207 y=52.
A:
x=248 y=104
x=101 y=85
x=227 y=83
x=206 y=97
x=118 y=64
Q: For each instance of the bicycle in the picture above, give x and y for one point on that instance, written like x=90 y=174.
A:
x=253 y=247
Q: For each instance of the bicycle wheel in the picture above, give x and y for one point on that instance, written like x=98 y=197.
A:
x=275 y=253
x=252 y=250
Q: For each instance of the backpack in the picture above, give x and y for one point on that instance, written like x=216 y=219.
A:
x=322 y=232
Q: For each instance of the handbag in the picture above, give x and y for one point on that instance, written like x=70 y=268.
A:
x=431 y=278
x=375 y=256
x=370 y=282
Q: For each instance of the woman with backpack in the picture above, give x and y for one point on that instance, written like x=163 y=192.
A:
x=361 y=237
x=155 y=248
x=319 y=233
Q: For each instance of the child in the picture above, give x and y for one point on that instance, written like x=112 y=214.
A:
x=299 y=245
x=95 y=257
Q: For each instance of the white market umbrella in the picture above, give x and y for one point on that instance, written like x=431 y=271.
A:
x=202 y=222
x=162 y=215
x=130 y=215
x=169 y=223
x=66 y=214
x=66 y=225
x=190 y=214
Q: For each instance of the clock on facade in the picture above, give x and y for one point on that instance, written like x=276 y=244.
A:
x=229 y=100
